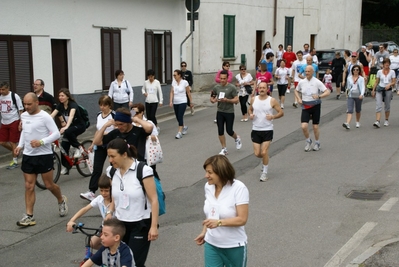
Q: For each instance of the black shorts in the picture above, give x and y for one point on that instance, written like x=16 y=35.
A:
x=259 y=137
x=311 y=113
x=37 y=164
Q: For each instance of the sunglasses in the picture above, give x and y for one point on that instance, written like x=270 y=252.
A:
x=183 y=66
x=243 y=69
x=356 y=70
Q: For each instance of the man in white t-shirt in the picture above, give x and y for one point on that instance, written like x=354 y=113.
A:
x=310 y=89
x=39 y=131
x=11 y=109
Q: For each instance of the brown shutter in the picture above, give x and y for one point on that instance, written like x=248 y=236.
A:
x=168 y=56
x=110 y=55
x=4 y=62
x=149 y=51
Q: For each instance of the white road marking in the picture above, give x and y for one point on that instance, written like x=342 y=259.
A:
x=351 y=245
x=371 y=251
x=388 y=205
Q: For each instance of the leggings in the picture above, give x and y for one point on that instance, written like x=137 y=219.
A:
x=151 y=110
x=100 y=156
x=243 y=104
x=228 y=118
x=179 y=112
x=70 y=139
x=121 y=105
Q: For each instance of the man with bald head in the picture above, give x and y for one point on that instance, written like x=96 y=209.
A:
x=38 y=132
x=309 y=62
x=309 y=92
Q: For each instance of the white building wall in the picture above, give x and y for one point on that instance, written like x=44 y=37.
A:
x=333 y=23
x=73 y=20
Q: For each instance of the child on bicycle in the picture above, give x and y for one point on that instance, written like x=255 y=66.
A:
x=114 y=252
x=101 y=202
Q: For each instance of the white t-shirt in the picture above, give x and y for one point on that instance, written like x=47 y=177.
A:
x=327 y=78
x=98 y=202
x=241 y=80
x=154 y=91
x=296 y=68
x=10 y=113
x=385 y=79
x=261 y=109
x=284 y=73
x=179 y=92
x=40 y=126
x=130 y=202
x=310 y=87
x=224 y=207
x=394 y=62
x=121 y=94
x=102 y=120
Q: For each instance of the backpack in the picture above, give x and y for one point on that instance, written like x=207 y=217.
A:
x=158 y=185
x=371 y=81
x=14 y=100
x=85 y=115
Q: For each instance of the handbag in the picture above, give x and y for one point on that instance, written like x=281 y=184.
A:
x=90 y=161
x=248 y=88
x=153 y=151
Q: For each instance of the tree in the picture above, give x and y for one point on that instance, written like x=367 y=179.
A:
x=382 y=12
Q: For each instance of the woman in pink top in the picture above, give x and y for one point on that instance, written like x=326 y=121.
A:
x=225 y=66
x=263 y=76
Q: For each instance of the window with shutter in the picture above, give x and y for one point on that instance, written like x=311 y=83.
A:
x=289 y=31
x=229 y=36
x=168 y=56
x=149 y=51
x=111 y=55
x=16 y=62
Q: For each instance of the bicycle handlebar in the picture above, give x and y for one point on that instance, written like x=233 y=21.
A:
x=81 y=228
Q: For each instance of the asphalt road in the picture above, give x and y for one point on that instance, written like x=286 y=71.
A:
x=299 y=217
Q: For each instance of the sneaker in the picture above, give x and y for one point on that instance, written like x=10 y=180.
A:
x=178 y=135
x=12 y=165
x=288 y=91
x=263 y=177
x=238 y=142
x=386 y=123
x=338 y=97
x=78 y=152
x=27 y=221
x=357 y=124
x=308 y=145
x=159 y=130
x=342 y=92
x=223 y=151
x=63 y=207
x=192 y=111
x=316 y=147
x=64 y=171
x=282 y=106
x=185 y=129
x=88 y=196
x=376 y=124
x=346 y=125
x=295 y=105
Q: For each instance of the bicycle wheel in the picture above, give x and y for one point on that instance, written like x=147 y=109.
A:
x=56 y=172
x=81 y=164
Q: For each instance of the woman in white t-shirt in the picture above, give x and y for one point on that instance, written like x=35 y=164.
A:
x=226 y=211
x=179 y=93
x=138 y=211
x=100 y=152
x=244 y=83
x=382 y=90
x=152 y=91
x=395 y=64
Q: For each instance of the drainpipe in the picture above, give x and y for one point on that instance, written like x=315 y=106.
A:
x=275 y=19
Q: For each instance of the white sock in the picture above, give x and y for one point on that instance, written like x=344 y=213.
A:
x=265 y=168
x=15 y=160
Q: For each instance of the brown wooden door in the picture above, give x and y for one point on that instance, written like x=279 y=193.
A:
x=60 y=65
x=259 y=44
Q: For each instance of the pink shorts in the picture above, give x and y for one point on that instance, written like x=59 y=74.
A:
x=10 y=132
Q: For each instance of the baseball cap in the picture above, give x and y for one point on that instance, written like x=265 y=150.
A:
x=354 y=54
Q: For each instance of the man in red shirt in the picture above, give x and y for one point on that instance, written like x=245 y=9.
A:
x=289 y=57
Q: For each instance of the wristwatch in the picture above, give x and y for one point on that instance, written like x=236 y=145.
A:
x=219 y=223
x=108 y=212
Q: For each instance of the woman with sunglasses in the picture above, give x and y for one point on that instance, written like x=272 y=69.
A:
x=244 y=83
x=137 y=211
x=267 y=48
x=355 y=90
x=382 y=91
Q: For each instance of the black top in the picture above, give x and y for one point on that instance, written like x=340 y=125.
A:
x=46 y=102
x=188 y=76
x=77 y=119
x=363 y=60
x=338 y=65
x=136 y=137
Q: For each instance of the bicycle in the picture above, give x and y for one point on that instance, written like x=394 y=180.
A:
x=81 y=163
x=94 y=232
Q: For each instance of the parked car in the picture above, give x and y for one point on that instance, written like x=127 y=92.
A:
x=391 y=46
x=325 y=57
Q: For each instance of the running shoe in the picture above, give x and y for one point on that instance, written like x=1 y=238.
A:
x=308 y=145
x=88 y=195
x=263 y=177
x=192 y=111
x=346 y=125
x=316 y=147
x=295 y=105
x=288 y=91
x=223 y=151
x=357 y=124
x=282 y=106
x=185 y=129
x=159 y=130
x=338 y=97
x=78 y=152
x=12 y=165
x=178 y=135
x=376 y=124
x=238 y=142
x=64 y=171
x=386 y=123
x=27 y=221
x=63 y=207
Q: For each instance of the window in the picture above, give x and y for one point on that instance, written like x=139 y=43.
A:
x=111 y=58
x=229 y=36
x=289 y=31
x=16 y=63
